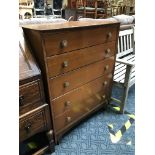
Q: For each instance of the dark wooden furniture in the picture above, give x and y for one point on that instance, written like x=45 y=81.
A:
x=90 y=8
x=71 y=4
x=79 y=8
x=86 y=8
x=77 y=60
x=104 y=9
x=93 y=9
x=34 y=116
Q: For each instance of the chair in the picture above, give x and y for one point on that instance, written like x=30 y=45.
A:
x=79 y=8
x=86 y=8
x=129 y=7
x=39 y=8
x=101 y=11
x=57 y=7
x=104 y=9
x=116 y=7
x=124 y=74
x=90 y=8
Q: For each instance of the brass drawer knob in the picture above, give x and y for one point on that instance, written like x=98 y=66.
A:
x=109 y=35
x=106 y=67
x=105 y=83
x=21 y=98
x=65 y=64
x=67 y=103
x=66 y=84
x=64 y=43
x=68 y=119
x=108 y=51
x=28 y=127
x=103 y=96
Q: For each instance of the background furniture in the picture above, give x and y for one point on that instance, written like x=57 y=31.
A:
x=71 y=4
x=25 y=9
x=126 y=7
x=92 y=8
x=57 y=7
x=124 y=75
x=39 y=8
x=104 y=9
x=34 y=116
x=79 y=8
x=77 y=72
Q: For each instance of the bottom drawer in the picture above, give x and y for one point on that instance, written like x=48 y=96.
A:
x=34 y=121
x=77 y=103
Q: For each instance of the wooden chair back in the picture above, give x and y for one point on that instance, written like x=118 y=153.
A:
x=90 y=8
x=125 y=42
x=79 y=3
x=90 y=3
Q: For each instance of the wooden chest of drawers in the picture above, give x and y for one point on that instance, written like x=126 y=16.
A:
x=77 y=60
x=34 y=114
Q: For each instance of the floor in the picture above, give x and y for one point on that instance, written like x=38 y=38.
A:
x=92 y=137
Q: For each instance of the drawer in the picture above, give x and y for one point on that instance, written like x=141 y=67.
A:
x=84 y=96
x=80 y=102
x=71 y=80
x=34 y=121
x=68 y=40
x=59 y=64
x=30 y=96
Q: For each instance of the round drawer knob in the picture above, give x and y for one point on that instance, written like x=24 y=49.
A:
x=108 y=51
x=109 y=35
x=103 y=96
x=106 y=67
x=28 y=127
x=21 y=98
x=64 y=43
x=105 y=83
x=66 y=84
x=65 y=64
x=67 y=103
x=68 y=119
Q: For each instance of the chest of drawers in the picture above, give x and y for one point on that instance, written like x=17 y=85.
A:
x=77 y=61
x=34 y=114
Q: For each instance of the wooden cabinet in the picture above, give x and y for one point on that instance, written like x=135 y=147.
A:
x=34 y=122
x=77 y=61
x=34 y=114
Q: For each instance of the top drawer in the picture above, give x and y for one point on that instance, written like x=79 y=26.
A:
x=65 y=41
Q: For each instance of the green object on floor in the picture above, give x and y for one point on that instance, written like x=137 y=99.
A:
x=32 y=145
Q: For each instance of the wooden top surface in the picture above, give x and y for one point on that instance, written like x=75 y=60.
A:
x=67 y=25
x=27 y=65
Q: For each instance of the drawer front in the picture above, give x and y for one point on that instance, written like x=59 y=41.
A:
x=33 y=122
x=29 y=107
x=76 y=78
x=66 y=62
x=82 y=95
x=30 y=96
x=68 y=40
x=81 y=101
